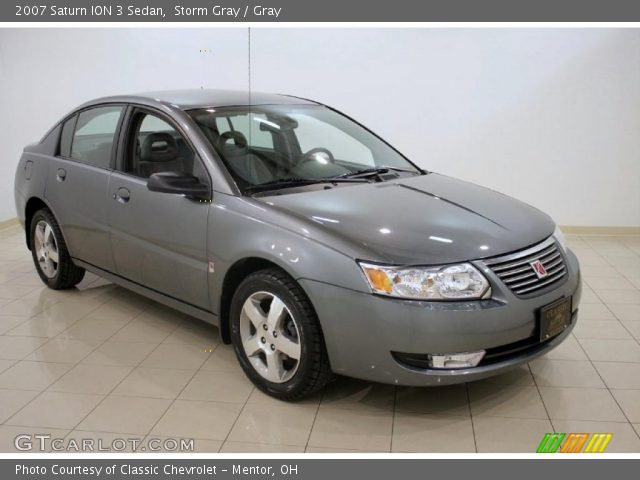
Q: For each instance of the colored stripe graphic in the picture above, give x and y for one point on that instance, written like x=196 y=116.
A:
x=598 y=443
x=574 y=443
x=550 y=442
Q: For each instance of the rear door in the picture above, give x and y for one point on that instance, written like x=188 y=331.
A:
x=76 y=187
x=158 y=239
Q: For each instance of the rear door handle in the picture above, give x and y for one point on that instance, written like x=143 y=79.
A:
x=122 y=195
x=61 y=175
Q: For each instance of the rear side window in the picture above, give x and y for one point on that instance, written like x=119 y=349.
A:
x=94 y=134
x=66 y=137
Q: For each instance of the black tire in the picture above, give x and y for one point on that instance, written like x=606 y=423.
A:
x=313 y=369
x=67 y=274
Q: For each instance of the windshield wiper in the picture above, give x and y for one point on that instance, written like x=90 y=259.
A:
x=370 y=172
x=298 y=181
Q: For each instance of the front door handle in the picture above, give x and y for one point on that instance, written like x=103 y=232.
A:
x=122 y=195
x=61 y=175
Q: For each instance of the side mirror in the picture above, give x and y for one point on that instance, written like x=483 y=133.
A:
x=178 y=183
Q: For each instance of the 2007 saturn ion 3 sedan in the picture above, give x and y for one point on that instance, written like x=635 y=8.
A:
x=314 y=246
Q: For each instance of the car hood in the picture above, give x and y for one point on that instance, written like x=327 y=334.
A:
x=427 y=219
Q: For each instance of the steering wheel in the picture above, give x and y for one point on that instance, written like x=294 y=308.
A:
x=317 y=154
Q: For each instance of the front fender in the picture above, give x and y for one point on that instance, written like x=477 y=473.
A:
x=237 y=231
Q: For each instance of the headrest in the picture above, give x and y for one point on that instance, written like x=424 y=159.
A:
x=239 y=145
x=159 y=147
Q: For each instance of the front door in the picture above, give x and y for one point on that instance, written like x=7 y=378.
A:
x=158 y=239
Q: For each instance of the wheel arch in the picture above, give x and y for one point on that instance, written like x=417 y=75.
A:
x=236 y=273
x=32 y=206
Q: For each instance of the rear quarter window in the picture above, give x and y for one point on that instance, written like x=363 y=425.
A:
x=66 y=137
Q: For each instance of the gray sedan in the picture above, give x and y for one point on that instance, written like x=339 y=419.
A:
x=314 y=245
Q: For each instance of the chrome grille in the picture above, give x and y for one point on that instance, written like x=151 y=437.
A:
x=516 y=272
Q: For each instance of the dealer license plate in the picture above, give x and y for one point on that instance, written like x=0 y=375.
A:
x=554 y=318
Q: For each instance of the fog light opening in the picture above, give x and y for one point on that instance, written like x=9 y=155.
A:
x=456 y=360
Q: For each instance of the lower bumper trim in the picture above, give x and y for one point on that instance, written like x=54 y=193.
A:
x=527 y=347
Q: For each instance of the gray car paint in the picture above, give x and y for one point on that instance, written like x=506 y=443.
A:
x=292 y=232
x=428 y=327
x=166 y=252
x=430 y=219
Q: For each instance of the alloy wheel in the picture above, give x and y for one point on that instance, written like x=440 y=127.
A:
x=46 y=249
x=270 y=337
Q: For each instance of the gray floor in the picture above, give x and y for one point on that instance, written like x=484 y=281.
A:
x=102 y=363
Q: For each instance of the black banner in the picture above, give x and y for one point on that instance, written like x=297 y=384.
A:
x=316 y=469
x=319 y=11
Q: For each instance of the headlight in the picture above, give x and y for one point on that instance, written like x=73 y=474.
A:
x=449 y=282
x=560 y=238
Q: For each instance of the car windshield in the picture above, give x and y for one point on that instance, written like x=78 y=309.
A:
x=279 y=146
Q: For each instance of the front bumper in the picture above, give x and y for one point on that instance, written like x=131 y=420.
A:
x=362 y=330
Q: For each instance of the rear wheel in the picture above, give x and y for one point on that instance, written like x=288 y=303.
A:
x=277 y=337
x=50 y=255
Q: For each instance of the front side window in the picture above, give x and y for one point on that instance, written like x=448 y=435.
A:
x=95 y=131
x=155 y=146
x=267 y=144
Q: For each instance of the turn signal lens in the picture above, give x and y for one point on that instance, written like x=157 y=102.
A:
x=378 y=279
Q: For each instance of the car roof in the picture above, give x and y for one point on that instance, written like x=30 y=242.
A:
x=204 y=97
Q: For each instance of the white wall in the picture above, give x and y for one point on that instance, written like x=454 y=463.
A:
x=551 y=116
x=45 y=73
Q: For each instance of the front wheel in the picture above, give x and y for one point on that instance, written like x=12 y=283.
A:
x=50 y=254
x=277 y=337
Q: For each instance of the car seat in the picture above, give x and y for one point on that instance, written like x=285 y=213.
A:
x=159 y=153
x=232 y=145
